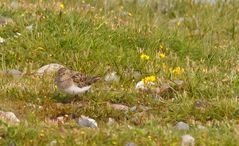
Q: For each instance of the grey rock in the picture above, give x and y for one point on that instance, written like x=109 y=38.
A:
x=187 y=140
x=86 y=122
x=137 y=75
x=11 y=72
x=52 y=143
x=111 y=122
x=130 y=144
x=133 y=109
x=182 y=126
x=112 y=77
x=53 y=67
x=201 y=127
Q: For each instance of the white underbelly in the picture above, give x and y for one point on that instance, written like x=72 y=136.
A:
x=74 y=90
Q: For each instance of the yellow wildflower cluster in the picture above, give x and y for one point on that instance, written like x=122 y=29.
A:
x=148 y=79
x=177 y=70
x=144 y=57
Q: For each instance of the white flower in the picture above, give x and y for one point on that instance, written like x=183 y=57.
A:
x=2 y=40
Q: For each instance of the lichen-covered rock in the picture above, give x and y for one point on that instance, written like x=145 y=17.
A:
x=86 y=122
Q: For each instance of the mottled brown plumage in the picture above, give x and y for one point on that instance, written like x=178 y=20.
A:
x=72 y=82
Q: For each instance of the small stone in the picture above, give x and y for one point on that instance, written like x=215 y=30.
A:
x=53 y=67
x=144 y=108
x=111 y=122
x=4 y=21
x=198 y=103
x=52 y=143
x=141 y=85
x=11 y=72
x=179 y=83
x=133 y=109
x=86 y=122
x=29 y=27
x=120 y=107
x=12 y=144
x=163 y=89
x=112 y=77
x=182 y=126
x=187 y=140
x=9 y=118
x=130 y=144
x=137 y=75
x=201 y=127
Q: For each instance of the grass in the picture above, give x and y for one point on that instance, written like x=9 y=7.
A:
x=98 y=37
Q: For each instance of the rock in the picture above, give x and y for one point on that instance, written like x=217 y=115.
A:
x=201 y=127
x=29 y=27
x=130 y=144
x=112 y=77
x=142 y=86
x=176 y=21
x=9 y=118
x=133 y=109
x=53 y=67
x=144 y=108
x=179 y=84
x=11 y=72
x=187 y=140
x=205 y=1
x=164 y=88
x=12 y=144
x=52 y=143
x=120 y=107
x=137 y=75
x=4 y=21
x=86 y=122
x=111 y=122
x=182 y=126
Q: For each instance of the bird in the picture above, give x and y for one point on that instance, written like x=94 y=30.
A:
x=73 y=82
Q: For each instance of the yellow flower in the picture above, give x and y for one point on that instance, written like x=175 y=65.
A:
x=149 y=79
x=130 y=14
x=162 y=55
x=62 y=6
x=177 y=70
x=144 y=57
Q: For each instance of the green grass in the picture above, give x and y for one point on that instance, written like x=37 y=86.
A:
x=98 y=37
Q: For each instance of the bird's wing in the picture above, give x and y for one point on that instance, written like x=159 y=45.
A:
x=82 y=80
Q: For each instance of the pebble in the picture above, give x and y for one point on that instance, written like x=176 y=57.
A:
x=11 y=72
x=182 y=126
x=52 y=143
x=111 y=122
x=130 y=144
x=53 y=67
x=141 y=85
x=29 y=27
x=120 y=107
x=187 y=140
x=9 y=118
x=112 y=77
x=86 y=122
